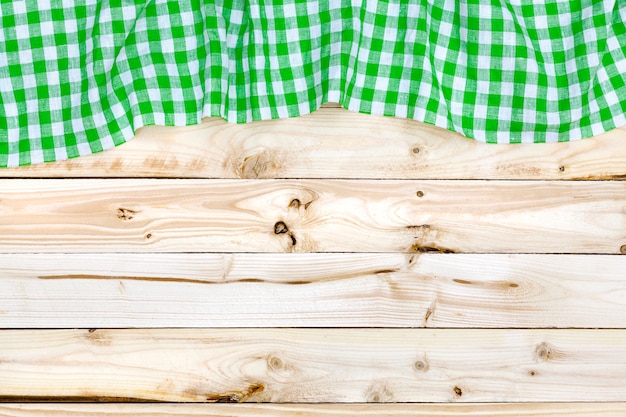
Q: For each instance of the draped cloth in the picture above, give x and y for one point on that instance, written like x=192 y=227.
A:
x=80 y=76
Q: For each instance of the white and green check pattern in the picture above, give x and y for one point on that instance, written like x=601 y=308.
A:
x=80 y=76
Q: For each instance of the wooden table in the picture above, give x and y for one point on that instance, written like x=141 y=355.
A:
x=333 y=264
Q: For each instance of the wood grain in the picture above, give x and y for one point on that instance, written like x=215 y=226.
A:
x=315 y=410
x=311 y=290
x=96 y=215
x=335 y=143
x=314 y=365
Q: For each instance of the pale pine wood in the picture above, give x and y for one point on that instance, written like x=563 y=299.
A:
x=96 y=215
x=335 y=143
x=311 y=290
x=315 y=410
x=314 y=365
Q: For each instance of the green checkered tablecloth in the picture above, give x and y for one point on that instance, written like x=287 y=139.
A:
x=80 y=76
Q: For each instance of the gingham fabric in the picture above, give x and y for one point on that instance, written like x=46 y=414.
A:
x=80 y=76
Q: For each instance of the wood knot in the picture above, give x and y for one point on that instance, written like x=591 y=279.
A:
x=420 y=194
x=415 y=150
x=236 y=397
x=544 y=352
x=295 y=204
x=421 y=365
x=275 y=363
x=416 y=247
x=280 y=228
x=457 y=391
x=264 y=163
x=622 y=249
x=561 y=168
x=125 y=214
x=379 y=392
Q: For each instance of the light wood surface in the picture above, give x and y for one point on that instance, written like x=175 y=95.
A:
x=314 y=365
x=335 y=143
x=170 y=215
x=299 y=266
x=315 y=410
x=311 y=290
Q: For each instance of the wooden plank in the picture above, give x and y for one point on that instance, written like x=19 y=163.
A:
x=313 y=365
x=95 y=215
x=315 y=410
x=335 y=143
x=311 y=290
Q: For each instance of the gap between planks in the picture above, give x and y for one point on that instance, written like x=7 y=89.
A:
x=313 y=365
x=335 y=143
x=315 y=410
x=165 y=215
x=108 y=290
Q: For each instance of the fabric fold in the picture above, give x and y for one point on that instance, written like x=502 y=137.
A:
x=81 y=76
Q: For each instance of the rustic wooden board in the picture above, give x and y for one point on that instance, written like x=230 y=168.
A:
x=335 y=143
x=96 y=215
x=311 y=290
x=315 y=410
x=314 y=365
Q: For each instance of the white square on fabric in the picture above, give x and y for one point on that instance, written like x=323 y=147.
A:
x=83 y=148
x=282 y=111
x=266 y=113
x=29 y=81
x=528 y=136
x=26 y=56
x=576 y=114
x=289 y=10
x=545 y=45
x=441 y=120
x=445 y=29
x=458 y=83
x=57 y=128
x=236 y=16
x=611 y=98
x=529 y=116
x=167 y=46
x=71 y=26
x=277 y=88
x=292 y=35
x=441 y=53
x=390 y=34
x=368 y=30
x=312 y=8
x=271 y=37
x=503 y=137
x=574 y=90
x=404 y=86
x=425 y=90
x=541 y=21
x=552 y=137
x=47 y=28
x=482 y=87
x=50 y=52
x=304 y=107
x=485 y=37
x=10 y=109
x=13 y=159
x=382 y=84
x=60 y=153
x=300 y=84
x=315 y=31
x=480 y=112
x=386 y=58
